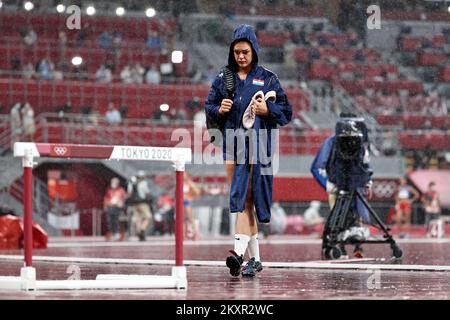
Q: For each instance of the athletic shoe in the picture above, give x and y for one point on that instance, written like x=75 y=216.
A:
x=358 y=252
x=251 y=268
x=234 y=262
x=141 y=235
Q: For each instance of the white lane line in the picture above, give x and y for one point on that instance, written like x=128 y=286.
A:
x=291 y=265
x=348 y=260
x=171 y=242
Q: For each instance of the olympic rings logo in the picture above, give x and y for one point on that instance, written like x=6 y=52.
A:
x=384 y=189
x=60 y=151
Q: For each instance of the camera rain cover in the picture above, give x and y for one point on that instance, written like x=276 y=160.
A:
x=349 y=139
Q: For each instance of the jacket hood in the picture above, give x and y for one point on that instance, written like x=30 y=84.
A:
x=243 y=32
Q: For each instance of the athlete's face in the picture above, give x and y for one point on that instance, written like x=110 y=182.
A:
x=243 y=54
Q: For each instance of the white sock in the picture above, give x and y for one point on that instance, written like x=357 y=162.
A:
x=241 y=243
x=253 y=247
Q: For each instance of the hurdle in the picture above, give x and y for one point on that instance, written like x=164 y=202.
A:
x=28 y=151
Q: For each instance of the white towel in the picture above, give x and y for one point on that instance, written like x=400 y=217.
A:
x=248 y=119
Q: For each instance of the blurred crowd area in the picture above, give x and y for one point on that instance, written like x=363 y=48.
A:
x=321 y=50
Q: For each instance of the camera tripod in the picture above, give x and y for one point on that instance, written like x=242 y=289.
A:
x=342 y=217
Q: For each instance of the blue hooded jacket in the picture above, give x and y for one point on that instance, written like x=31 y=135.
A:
x=280 y=113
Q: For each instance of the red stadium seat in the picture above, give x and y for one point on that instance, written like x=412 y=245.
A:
x=430 y=58
x=414 y=121
x=321 y=70
x=439 y=122
x=439 y=40
x=301 y=54
x=389 y=120
x=439 y=141
x=5 y=94
x=17 y=92
x=117 y=92
x=413 y=141
x=274 y=40
x=410 y=43
x=445 y=74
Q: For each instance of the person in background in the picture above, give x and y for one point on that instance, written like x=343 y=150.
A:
x=279 y=221
x=113 y=115
x=45 y=69
x=431 y=204
x=153 y=40
x=325 y=169
x=153 y=76
x=406 y=195
x=114 y=205
x=31 y=37
x=312 y=218
x=16 y=124
x=125 y=75
x=137 y=196
x=28 y=71
x=137 y=73
x=200 y=118
x=105 y=40
x=103 y=74
x=191 y=192
x=29 y=127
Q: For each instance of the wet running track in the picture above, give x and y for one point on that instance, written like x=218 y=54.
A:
x=423 y=273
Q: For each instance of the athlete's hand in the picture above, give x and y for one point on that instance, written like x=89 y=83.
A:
x=225 y=106
x=260 y=107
